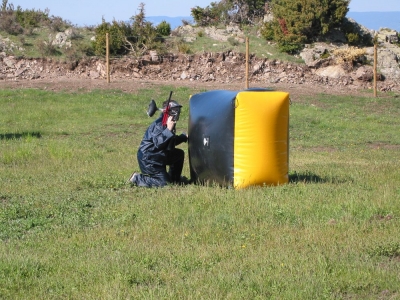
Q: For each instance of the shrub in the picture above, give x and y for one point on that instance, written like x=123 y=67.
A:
x=184 y=48
x=86 y=50
x=28 y=31
x=299 y=21
x=72 y=54
x=289 y=47
x=164 y=28
x=9 y=23
x=31 y=18
x=353 y=38
x=352 y=32
x=185 y=22
x=46 y=48
x=348 y=56
x=325 y=55
x=267 y=31
x=205 y=16
x=117 y=34
x=57 y=24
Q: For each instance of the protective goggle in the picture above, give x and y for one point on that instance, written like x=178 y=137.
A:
x=174 y=112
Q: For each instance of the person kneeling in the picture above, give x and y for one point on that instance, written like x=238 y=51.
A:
x=157 y=150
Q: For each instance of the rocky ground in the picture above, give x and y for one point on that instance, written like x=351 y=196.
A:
x=208 y=71
x=221 y=70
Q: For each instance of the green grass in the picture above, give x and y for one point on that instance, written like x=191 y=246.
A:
x=257 y=46
x=70 y=228
x=26 y=45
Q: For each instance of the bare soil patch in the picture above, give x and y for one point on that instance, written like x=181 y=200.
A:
x=132 y=85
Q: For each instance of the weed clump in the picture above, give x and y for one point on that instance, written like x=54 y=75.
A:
x=347 y=57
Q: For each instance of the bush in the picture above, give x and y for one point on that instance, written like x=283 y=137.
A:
x=164 y=28
x=46 y=48
x=299 y=21
x=9 y=23
x=117 y=34
x=348 y=56
x=288 y=47
x=57 y=24
x=72 y=54
x=79 y=51
x=267 y=31
x=136 y=38
x=205 y=16
x=353 y=38
x=352 y=32
x=185 y=22
x=86 y=50
x=184 y=48
x=31 y=18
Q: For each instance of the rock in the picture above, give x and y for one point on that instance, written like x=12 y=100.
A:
x=19 y=72
x=154 y=56
x=60 y=39
x=184 y=75
x=364 y=74
x=331 y=71
x=387 y=35
x=9 y=61
x=94 y=74
x=317 y=55
x=189 y=39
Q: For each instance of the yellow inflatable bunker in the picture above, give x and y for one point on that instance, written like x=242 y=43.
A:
x=239 y=138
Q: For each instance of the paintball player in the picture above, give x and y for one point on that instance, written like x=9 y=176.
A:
x=157 y=150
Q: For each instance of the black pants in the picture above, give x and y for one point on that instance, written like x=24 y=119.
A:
x=157 y=176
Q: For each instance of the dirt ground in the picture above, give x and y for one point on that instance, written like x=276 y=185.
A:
x=207 y=71
x=132 y=85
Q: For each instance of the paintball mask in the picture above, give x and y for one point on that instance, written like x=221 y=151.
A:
x=171 y=108
x=174 y=109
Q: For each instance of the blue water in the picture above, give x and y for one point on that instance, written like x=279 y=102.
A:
x=377 y=20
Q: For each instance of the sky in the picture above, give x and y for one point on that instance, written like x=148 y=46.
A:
x=91 y=12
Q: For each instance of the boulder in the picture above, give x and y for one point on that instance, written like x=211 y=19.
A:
x=364 y=73
x=331 y=71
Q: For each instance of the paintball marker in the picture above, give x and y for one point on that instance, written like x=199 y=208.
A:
x=170 y=109
x=167 y=110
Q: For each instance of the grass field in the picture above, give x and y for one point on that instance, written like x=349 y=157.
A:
x=71 y=228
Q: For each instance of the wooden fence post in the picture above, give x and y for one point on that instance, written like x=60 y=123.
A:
x=375 y=67
x=108 y=57
x=247 y=63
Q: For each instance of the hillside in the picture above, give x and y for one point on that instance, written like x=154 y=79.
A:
x=194 y=54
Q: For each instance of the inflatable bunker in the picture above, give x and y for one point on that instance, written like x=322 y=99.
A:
x=239 y=138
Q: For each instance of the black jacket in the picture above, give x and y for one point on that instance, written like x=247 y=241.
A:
x=156 y=142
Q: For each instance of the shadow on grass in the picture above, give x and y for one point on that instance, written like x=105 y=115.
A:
x=23 y=135
x=309 y=177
